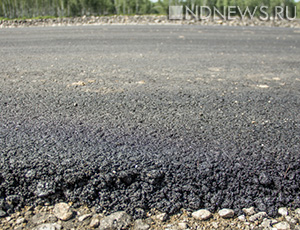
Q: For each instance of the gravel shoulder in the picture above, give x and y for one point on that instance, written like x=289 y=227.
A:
x=145 y=20
x=64 y=216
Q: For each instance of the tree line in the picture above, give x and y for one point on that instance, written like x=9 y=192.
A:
x=71 y=8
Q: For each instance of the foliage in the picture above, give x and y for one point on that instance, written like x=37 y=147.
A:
x=68 y=8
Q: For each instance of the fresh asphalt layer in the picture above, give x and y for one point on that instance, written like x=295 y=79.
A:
x=140 y=117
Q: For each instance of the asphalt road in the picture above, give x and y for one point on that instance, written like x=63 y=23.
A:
x=166 y=117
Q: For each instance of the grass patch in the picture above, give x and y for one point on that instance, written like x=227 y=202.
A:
x=26 y=18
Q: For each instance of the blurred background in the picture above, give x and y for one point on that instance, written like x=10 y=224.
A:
x=12 y=9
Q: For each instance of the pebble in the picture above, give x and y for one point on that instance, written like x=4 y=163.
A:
x=48 y=227
x=283 y=211
x=2 y=213
x=226 y=213
x=291 y=220
x=20 y=220
x=242 y=218
x=215 y=225
x=182 y=225
x=83 y=217
x=140 y=225
x=62 y=211
x=41 y=218
x=249 y=211
x=258 y=216
x=162 y=217
x=94 y=222
x=27 y=214
x=202 y=214
x=266 y=224
x=89 y=219
x=282 y=226
x=297 y=211
x=117 y=220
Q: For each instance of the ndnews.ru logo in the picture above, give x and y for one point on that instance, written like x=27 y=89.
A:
x=230 y=13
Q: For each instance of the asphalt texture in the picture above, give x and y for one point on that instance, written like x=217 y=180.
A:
x=139 y=117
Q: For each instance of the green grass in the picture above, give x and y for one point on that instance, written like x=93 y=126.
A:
x=25 y=18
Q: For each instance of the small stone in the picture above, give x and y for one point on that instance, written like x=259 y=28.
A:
x=41 y=218
x=266 y=224
x=273 y=221
x=242 y=218
x=162 y=217
x=140 y=225
x=202 y=214
x=62 y=211
x=48 y=227
x=263 y=86
x=20 y=220
x=215 y=225
x=283 y=211
x=264 y=179
x=226 y=213
x=79 y=83
x=258 y=216
x=27 y=214
x=44 y=189
x=83 y=217
x=94 y=222
x=2 y=213
x=291 y=220
x=282 y=226
x=297 y=211
x=182 y=225
x=249 y=211
x=117 y=220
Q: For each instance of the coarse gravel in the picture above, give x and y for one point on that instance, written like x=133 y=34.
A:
x=133 y=118
x=84 y=218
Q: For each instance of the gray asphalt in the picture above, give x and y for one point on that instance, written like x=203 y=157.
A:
x=166 y=117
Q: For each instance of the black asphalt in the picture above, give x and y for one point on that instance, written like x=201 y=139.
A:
x=166 y=117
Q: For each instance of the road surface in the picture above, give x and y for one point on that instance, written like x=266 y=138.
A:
x=166 y=117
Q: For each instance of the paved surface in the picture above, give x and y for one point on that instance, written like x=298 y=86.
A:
x=127 y=117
